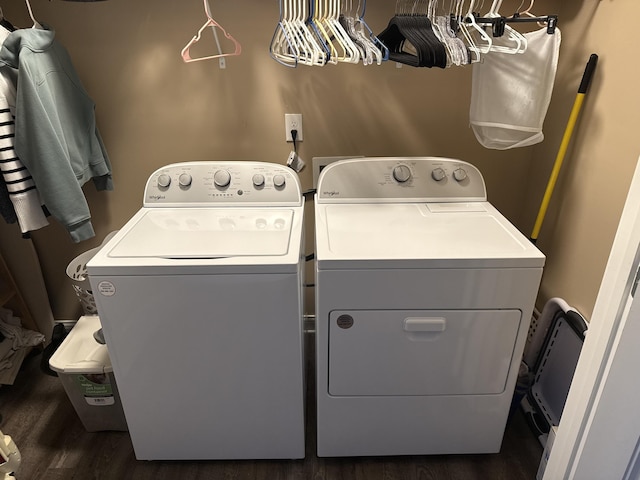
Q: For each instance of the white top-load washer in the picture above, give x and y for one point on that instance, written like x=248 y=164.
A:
x=424 y=294
x=200 y=298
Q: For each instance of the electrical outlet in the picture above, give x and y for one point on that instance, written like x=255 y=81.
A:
x=293 y=121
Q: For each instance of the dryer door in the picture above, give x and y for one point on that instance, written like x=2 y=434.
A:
x=421 y=352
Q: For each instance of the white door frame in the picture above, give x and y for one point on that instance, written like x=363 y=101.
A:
x=598 y=435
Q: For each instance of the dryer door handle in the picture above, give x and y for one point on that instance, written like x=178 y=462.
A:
x=428 y=324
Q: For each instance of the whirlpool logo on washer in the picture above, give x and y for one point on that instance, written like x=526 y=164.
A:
x=157 y=197
x=332 y=193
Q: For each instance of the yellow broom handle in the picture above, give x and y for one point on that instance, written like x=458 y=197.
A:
x=573 y=118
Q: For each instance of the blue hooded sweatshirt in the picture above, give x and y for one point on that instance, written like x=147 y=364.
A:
x=55 y=127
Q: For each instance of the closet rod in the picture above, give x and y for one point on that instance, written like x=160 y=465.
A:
x=498 y=23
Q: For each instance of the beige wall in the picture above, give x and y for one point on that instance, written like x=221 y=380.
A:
x=153 y=109
x=588 y=200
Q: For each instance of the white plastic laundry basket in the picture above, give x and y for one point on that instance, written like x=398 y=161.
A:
x=77 y=272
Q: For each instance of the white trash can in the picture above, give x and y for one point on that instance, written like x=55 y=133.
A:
x=84 y=367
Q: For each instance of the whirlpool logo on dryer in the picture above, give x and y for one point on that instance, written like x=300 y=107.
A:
x=332 y=193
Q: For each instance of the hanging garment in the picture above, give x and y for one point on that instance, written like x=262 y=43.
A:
x=6 y=207
x=21 y=188
x=510 y=93
x=55 y=127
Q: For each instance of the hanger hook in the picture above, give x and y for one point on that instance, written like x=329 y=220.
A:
x=207 y=8
x=30 y=11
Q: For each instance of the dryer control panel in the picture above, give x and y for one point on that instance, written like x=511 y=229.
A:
x=245 y=183
x=401 y=179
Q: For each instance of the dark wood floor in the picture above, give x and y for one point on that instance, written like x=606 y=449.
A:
x=54 y=446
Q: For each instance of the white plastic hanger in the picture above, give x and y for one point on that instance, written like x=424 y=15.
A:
x=470 y=23
x=293 y=42
x=347 y=51
x=299 y=48
x=529 y=13
x=282 y=48
x=461 y=54
x=519 y=44
x=439 y=32
x=35 y=22
x=369 y=51
x=468 y=27
x=366 y=30
x=186 y=56
x=347 y=22
x=318 y=19
x=317 y=55
x=355 y=52
x=457 y=53
x=307 y=49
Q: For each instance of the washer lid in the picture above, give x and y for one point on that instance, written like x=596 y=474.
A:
x=206 y=233
x=434 y=235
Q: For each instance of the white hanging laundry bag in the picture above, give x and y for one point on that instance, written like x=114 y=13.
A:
x=510 y=93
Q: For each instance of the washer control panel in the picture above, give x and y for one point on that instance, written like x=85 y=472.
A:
x=391 y=179
x=232 y=182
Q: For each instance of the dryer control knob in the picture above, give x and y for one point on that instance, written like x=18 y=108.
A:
x=460 y=174
x=222 y=178
x=402 y=173
x=279 y=181
x=164 y=180
x=185 y=180
x=438 y=174
x=258 y=180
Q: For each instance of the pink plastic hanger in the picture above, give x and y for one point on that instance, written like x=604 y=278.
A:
x=213 y=24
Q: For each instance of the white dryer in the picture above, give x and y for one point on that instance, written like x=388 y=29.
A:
x=200 y=298
x=424 y=294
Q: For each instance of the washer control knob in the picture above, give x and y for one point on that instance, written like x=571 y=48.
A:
x=164 y=180
x=460 y=174
x=438 y=174
x=279 y=181
x=402 y=173
x=258 y=180
x=184 y=180
x=222 y=178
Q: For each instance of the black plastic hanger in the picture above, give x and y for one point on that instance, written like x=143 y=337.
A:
x=6 y=23
x=417 y=30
